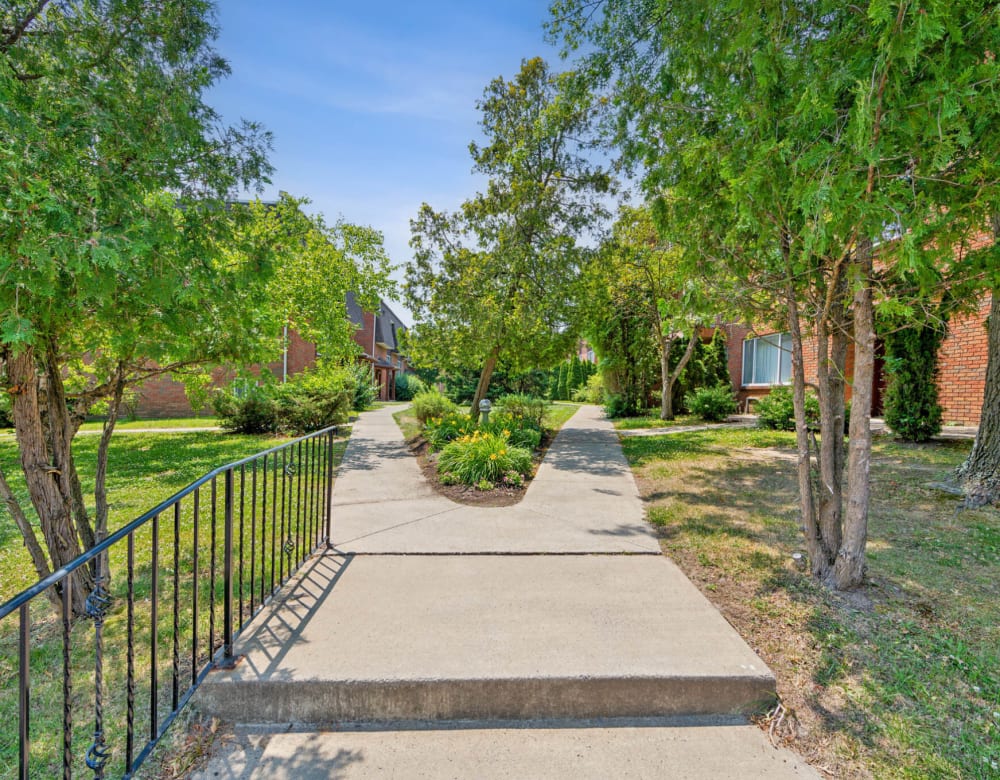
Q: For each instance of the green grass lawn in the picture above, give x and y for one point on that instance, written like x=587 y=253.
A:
x=172 y=422
x=651 y=419
x=144 y=469
x=901 y=680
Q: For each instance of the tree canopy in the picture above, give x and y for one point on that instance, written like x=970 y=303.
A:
x=784 y=142
x=122 y=252
x=495 y=280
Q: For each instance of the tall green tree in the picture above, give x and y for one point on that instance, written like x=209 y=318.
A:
x=495 y=280
x=780 y=141
x=121 y=253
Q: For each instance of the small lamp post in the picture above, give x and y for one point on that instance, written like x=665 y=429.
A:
x=484 y=410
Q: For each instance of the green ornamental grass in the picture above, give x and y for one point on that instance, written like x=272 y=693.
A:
x=483 y=456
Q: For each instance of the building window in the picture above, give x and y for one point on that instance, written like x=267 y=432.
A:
x=767 y=360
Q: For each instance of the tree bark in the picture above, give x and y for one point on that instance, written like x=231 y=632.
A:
x=819 y=556
x=831 y=365
x=101 y=473
x=38 y=558
x=979 y=475
x=484 y=381
x=44 y=478
x=668 y=379
x=849 y=569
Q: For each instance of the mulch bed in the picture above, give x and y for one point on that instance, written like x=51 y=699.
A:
x=466 y=494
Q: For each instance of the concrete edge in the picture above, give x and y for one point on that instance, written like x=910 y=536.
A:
x=321 y=701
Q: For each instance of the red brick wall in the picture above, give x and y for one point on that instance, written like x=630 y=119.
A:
x=962 y=367
x=164 y=397
x=364 y=336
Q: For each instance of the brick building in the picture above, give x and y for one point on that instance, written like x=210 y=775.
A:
x=377 y=335
x=760 y=358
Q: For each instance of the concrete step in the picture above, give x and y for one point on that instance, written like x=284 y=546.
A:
x=485 y=637
x=692 y=750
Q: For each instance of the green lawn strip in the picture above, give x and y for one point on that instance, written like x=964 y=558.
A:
x=556 y=415
x=903 y=685
x=652 y=420
x=156 y=424
x=143 y=470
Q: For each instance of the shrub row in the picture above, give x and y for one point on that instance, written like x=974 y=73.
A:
x=309 y=401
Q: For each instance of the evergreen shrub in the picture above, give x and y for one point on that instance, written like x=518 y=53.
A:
x=365 y=389
x=713 y=404
x=912 y=410
x=246 y=409
x=408 y=386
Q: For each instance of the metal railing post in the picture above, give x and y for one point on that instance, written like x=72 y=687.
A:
x=24 y=696
x=227 y=571
x=328 y=509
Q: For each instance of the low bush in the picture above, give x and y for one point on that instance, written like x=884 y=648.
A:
x=365 y=390
x=520 y=431
x=482 y=456
x=407 y=386
x=526 y=407
x=246 y=409
x=592 y=392
x=617 y=405
x=776 y=411
x=315 y=399
x=309 y=401
x=431 y=403
x=438 y=431
x=712 y=404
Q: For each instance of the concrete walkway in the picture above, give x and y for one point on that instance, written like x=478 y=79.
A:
x=546 y=639
x=582 y=500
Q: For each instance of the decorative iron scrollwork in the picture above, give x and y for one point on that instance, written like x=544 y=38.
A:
x=98 y=602
x=98 y=754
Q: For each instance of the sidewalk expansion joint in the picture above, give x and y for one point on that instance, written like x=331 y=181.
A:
x=499 y=553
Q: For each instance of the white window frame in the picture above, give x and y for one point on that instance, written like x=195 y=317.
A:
x=784 y=345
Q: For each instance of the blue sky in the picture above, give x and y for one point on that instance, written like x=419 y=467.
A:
x=372 y=105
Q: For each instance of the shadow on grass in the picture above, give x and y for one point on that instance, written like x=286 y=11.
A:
x=905 y=669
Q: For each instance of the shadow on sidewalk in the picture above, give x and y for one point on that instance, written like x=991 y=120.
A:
x=267 y=643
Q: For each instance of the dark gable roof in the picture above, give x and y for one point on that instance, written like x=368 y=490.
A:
x=388 y=326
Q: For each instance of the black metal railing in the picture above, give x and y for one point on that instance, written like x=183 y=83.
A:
x=171 y=591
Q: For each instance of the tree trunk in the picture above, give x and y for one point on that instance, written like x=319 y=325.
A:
x=44 y=478
x=980 y=474
x=831 y=362
x=101 y=474
x=38 y=558
x=819 y=557
x=484 y=381
x=666 y=396
x=849 y=569
x=669 y=380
